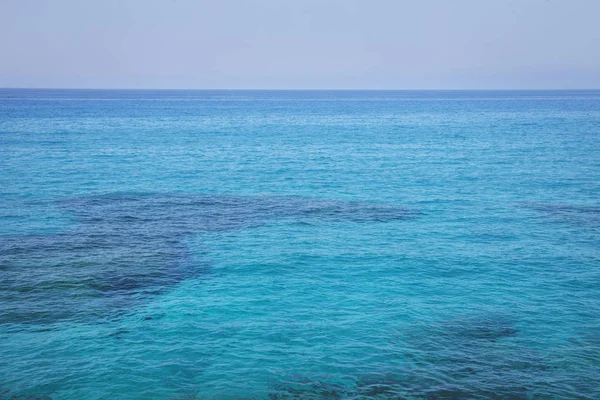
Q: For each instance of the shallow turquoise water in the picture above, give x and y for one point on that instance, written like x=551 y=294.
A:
x=277 y=245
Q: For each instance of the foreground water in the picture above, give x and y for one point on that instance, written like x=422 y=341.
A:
x=313 y=245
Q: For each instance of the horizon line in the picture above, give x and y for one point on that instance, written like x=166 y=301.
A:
x=296 y=89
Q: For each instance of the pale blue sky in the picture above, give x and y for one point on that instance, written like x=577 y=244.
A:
x=307 y=44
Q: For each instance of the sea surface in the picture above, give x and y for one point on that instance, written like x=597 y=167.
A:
x=299 y=244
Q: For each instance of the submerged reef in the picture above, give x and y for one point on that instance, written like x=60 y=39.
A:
x=126 y=246
x=576 y=214
x=304 y=388
x=6 y=394
x=476 y=357
x=484 y=327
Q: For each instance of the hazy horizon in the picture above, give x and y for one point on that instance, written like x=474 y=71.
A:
x=294 y=90
x=300 y=45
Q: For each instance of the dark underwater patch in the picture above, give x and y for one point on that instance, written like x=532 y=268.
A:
x=477 y=357
x=6 y=394
x=382 y=386
x=127 y=246
x=474 y=357
x=487 y=327
x=577 y=214
x=305 y=388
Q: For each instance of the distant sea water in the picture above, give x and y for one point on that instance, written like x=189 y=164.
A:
x=299 y=244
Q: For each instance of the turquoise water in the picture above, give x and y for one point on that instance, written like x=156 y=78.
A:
x=299 y=244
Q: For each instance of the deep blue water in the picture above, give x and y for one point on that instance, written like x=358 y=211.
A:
x=299 y=244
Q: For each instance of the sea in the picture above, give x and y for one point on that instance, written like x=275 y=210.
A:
x=187 y=245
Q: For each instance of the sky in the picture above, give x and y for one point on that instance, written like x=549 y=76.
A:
x=300 y=44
